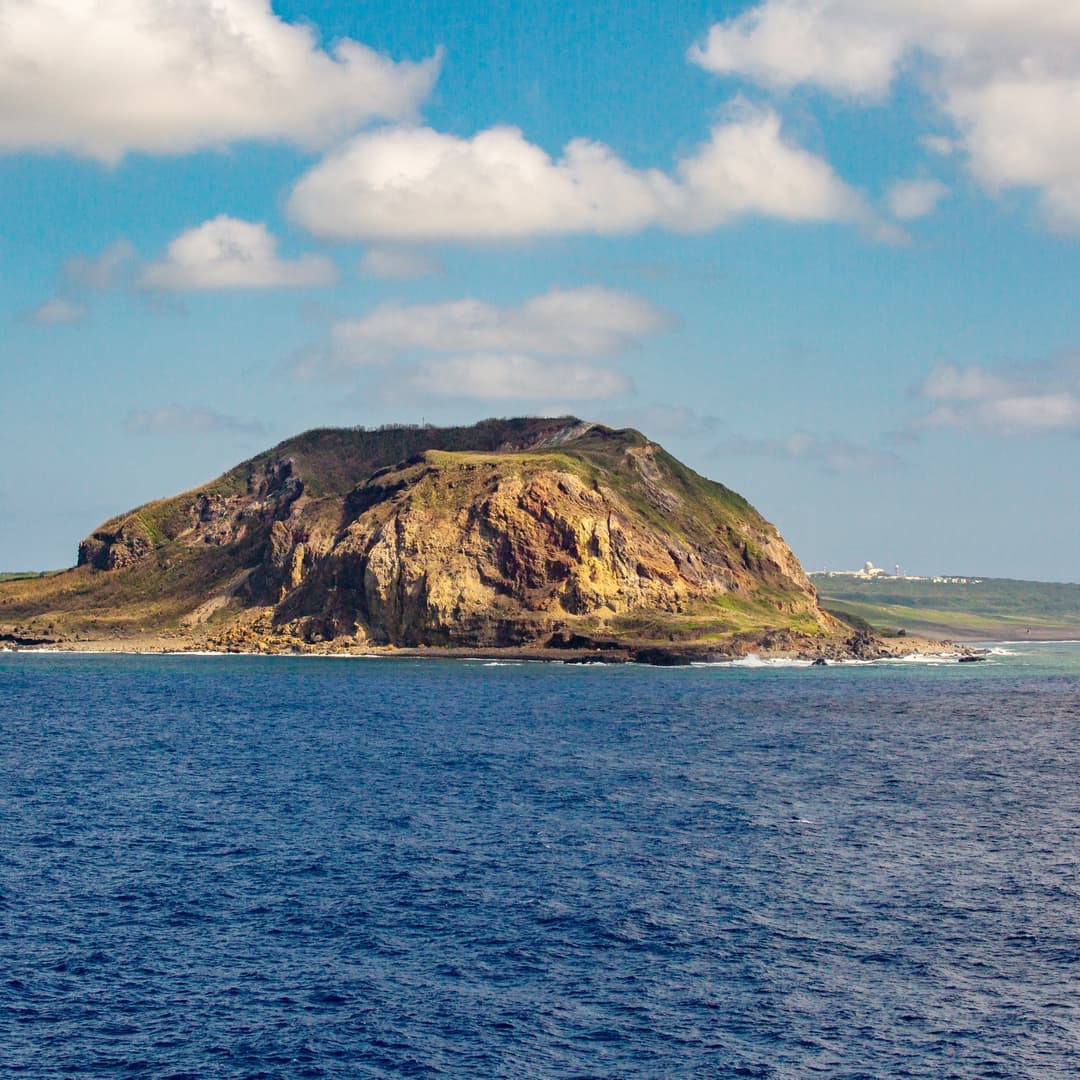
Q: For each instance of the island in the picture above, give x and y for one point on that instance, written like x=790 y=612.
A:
x=538 y=537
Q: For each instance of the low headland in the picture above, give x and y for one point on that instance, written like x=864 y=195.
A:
x=964 y=606
x=547 y=539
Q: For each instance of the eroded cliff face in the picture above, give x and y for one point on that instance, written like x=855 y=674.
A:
x=116 y=546
x=490 y=550
x=547 y=529
x=205 y=517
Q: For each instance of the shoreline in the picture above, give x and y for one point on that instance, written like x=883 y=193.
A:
x=645 y=655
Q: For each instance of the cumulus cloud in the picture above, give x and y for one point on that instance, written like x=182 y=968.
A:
x=496 y=377
x=101 y=271
x=585 y=322
x=176 y=420
x=106 y=78
x=396 y=264
x=910 y=199
x=832 y=455
x=838 y=44
x=539 y=350
x=1005 y=73
x=413 y=184
x=226 y=253
x=58 y=311
x=1020 y=400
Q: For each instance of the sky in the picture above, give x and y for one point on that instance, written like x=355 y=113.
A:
x=824 y=251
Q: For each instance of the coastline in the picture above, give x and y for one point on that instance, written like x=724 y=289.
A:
x=610 y=653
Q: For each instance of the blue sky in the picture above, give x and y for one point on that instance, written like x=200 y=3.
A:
x=824 y=252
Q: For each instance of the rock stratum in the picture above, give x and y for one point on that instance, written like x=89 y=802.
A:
x=538 y=535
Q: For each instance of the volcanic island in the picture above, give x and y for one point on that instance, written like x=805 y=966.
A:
x=538 y=538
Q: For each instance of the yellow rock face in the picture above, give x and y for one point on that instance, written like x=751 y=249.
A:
x=487 y=549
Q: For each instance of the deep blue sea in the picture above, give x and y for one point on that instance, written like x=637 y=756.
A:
x=314 y=867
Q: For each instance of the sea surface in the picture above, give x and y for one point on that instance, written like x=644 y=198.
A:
x=315 y=867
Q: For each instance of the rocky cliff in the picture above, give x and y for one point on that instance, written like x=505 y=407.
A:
x=524 y=533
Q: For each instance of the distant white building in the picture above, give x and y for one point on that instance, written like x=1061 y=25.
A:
x=870 y=572
x=867 y=573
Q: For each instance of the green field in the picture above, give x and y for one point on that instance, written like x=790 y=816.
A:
x=19 y=575
x=990 y=608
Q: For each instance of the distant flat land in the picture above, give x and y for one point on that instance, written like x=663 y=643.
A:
x=18 y=575
x=988 y=609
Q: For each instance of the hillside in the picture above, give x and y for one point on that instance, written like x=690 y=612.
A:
x=983 y=609
x=535 y=533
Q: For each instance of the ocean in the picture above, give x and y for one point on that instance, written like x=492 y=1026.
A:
x=234 y=866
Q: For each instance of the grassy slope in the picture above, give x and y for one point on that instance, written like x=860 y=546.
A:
x=155 y=594
x=993 y=608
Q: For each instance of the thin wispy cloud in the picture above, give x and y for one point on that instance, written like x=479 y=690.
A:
x=103 y=271
x=830 y=454
x=58 y=311
x=499 y=377
x=181 y=420
x=908 y=200
x=398 y=264
x=1032 y=399
x=660 y=421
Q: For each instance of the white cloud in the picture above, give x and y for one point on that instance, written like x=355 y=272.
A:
x=1022 y=414
x=1006 y=73
x=226 y=253
x=106 y=78
x=1020 y=400
x=1020 y=130
x=910 y=199
x=585 y=322
x=176 y=420
x=495 y=377
x=58 y=311
x=103 y=271
x=829 y=454
x=941 y=145
x=538 y=350
x=784 y=42
x=947 y=382
x=410 y=184
x=748 y=167
x=396 y=264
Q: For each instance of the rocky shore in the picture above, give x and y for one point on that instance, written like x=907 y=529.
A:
x=859 y=646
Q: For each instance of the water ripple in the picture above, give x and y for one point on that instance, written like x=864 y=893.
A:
x=300 y=868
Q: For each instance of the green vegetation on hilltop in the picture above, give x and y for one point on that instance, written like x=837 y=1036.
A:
x=335 y=460
x=979 y=608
